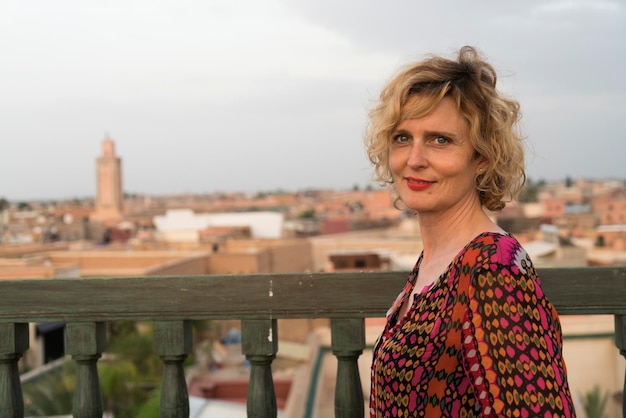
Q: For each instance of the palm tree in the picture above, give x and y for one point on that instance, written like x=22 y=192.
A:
x=594 y=402
x=51 y=393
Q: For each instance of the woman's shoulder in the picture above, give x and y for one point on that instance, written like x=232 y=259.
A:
x=495 y=247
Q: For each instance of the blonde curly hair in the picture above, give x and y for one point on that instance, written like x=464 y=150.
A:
x=492 y=118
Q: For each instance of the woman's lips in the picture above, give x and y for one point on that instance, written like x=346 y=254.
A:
x=418 y=184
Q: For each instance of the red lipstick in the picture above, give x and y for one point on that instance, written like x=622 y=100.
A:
x=417 y=185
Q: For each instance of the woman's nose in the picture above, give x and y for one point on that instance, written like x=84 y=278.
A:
x=416 y=155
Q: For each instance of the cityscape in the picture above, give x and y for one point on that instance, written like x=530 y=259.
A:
x=570 y=223
x=188 y=221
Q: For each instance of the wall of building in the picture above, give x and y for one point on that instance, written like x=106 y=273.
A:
x=239 y=263
x=611 y=236
x=122 y=263
x=355 y=262
x=373 y=241
x=36 y=267
x=610 y=211
x=285 y=255
x=181 y=267
x=592 y=358
x=553 y=207
x=24 y=272
x=292 y=256
x=15 y=251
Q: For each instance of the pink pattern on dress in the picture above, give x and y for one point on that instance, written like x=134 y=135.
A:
x=482 y=341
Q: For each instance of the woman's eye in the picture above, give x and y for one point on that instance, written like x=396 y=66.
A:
x=441 y=140
x=400 y=138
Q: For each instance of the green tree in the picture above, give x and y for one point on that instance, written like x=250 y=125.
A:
x=129 y=344
x=594 y=402
x=529 y=192
x=118 y=383
x=23 y=206
x=52 y=393
x=307 y=214
x=150 y=408
x=4 y=204
x=130 y=374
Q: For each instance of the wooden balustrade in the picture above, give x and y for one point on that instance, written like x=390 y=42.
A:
x=85 y=342
x=172 y=302
x=348 y=341
x=259 y=344
x=172 y=340
x=13 y=342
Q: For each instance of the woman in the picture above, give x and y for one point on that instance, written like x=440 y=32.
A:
x=472 y=333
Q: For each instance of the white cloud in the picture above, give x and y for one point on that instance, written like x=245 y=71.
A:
x=121 y=50
x=579 y=6
x=279 y=89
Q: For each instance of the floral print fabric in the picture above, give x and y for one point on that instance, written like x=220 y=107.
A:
x=482 y=341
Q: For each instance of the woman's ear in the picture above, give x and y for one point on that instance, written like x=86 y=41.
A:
x=482 y=164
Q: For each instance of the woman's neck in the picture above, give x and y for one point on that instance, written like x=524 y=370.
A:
x=446 y=233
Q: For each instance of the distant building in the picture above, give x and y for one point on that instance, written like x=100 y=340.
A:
x=357 y=260
x=335 y=225
x=45 y=339
x=183 y=225
x=610 y=210
x=612 y=237
x=109 y=196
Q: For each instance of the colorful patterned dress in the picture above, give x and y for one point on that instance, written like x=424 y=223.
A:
x=482 y=341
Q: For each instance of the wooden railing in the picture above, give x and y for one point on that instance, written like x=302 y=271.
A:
x=258 y=300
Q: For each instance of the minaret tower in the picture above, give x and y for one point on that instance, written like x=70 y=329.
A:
x=109 y=197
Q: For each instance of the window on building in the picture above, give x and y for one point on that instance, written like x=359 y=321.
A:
x=340 y=264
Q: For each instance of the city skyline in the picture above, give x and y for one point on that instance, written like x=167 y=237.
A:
x=261 y=193
x=204 y=97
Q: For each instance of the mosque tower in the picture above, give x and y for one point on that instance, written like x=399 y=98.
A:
x=109 y=198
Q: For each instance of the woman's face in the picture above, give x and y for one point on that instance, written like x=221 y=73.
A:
x=432 y=160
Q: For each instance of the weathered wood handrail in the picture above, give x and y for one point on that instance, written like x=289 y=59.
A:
x=86 y=304
x=85 y=342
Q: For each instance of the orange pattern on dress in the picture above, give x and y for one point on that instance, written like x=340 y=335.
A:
x=482 y=341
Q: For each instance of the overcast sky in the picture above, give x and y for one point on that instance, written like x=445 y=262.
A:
x=204 y=96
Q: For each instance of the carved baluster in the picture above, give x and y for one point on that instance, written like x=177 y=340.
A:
x=620 y=341
x=260 y=344
x=85 y=342
x=348 y=341
x=13 y=342
x=172 y=340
